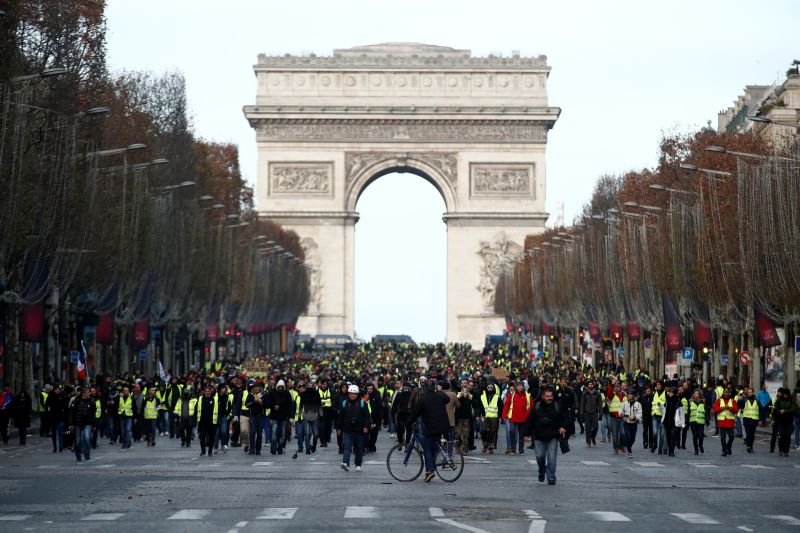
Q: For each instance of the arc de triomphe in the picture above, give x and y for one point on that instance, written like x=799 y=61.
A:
x=474 y=127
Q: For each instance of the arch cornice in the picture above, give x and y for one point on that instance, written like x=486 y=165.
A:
x=439 y=168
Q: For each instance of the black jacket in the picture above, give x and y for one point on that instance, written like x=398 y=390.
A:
x=56 y=406
x=283 y=401
x=82 y=412
x=400 y=404
x=546 y=420
x=353 y=416
x=432 y=408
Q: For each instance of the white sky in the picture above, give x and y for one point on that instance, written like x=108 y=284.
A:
x=623 y=72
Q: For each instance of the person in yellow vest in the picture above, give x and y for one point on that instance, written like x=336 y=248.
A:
x=657 y=412
x=44 y=426
x=490 y=409
x=697 y=420
x=297 y=418
x=717 y=395
x=516 y=408
x=615 y=412
x=98 y=414
x=163 y=410
x=125 y=412
x=185 y=408
x=750 y=417
x=225 y=400
x=726 y=409
x=328 y=414
x=207 y=420
x=150 y=416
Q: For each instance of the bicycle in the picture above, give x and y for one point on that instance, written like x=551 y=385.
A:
x=405 y=463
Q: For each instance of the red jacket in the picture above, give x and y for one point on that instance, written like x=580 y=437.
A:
x=522 y=407
x=727 y=423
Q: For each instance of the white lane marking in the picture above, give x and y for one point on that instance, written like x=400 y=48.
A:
x=105 y=466
x=759 y=467
x=609 y=516
x=263 y=463
x=745 y=528
x=190 y=514
x=361 y=511
x=531 y=514
x=703 y=465
x=477 y=459
x=277 y=513
x=234 y=530
x=43 y=467
x=648 y=464
x=436 y=512
x=14 y=517
x=459 y=525
x=103 y=516
x=595 y=463
x=374 y=462
x=695 y=518
x=533 y=462
x=241 y=524
x=784 y=518
x=537 y=526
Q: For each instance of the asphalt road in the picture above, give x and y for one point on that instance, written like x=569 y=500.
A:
x=168 y=488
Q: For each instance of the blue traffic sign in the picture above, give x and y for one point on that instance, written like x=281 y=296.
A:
x=687 y=354
x=143 y=355
x=73 y=355
x=723 y=359
x=797 y=344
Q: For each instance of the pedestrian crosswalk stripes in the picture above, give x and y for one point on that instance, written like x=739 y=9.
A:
x=758 y=467
x=595 y=463
x=277 y=513
x=649 y=464
x=455 y=517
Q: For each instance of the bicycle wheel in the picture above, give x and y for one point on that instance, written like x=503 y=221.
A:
x=405 y=464
x=449 y=464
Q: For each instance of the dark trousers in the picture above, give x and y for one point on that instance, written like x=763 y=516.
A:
x=749 y=431
x=402 y=437
x=471 y=433
x=647 y=431
x=185 y=431
x=207 y=432
x=726 y=439
x=684 y=433
x=630 y=435
x=697 y=436
x=325 y=426
x=4 y=427
x=44 y=425
x=174 y=426
x=592 y=424
x=373 y=438
x=774 y=437
x=256 y=432
x=671 y=433
x=784 y=436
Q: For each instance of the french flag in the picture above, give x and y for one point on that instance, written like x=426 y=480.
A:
x=81 y=367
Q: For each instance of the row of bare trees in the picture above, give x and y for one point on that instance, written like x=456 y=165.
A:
x=709 y=238
x=114 y=210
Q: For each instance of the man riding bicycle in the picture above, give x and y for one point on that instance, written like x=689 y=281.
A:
x=432 y=407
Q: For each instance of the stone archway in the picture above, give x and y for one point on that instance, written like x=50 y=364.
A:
x=476 y=128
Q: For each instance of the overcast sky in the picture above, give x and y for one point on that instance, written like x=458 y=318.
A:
x=623 y=72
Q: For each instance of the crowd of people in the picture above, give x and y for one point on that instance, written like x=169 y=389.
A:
x=310 y=401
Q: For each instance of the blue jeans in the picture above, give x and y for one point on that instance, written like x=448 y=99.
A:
x=392 y=424
x=430 y=447
x=221 y=438
x=546 y=454
x=508 y=433
x=311 y=432
x=163 y=421
x=352 y=440
x=739 y=428
x=726 y=439
x=125 y=425
x=277 y=429
x=299 y=427
x=616 y=433
x=150 y=429
x=83 y=441
x=605 y=426
x=658 y=434
x=111 y=428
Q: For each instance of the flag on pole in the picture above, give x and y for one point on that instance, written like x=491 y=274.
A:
x=161 y=372
x=81 y=367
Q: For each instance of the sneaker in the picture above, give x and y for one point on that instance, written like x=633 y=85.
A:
x=541 y=478
x=313 y=448
x=345 y=467
x=225 y=448
x=521 y=452
x=630 y=455
x=429 y=476
x=358 y=469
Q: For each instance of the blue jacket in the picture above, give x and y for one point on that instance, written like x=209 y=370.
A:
x=763 y=398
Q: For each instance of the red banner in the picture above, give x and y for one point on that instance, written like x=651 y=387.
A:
x=546 y=329
x=141 y=334
x=673 y=335
x=702 y=335
x=634 y=332
x=32 y=322
x=594 y=331
x=765 y=328
x=212 y=332
x=615 y=328
x=104 y=334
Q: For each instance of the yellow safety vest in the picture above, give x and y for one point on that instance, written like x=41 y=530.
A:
x=297 y=415
x=178 y=405
x=751 y=409
x=125 y=406
x=192 y=406
x=42 y=401
x=697 y=413
x=490 y=408
x=511 y=403
x=725 y=415
x=162 y=400
x=245 y=410
x=215 y=415
x=325 y=396
x=658 y=401
x=614 y=405
x=718 y=392
x=150 y=409
x=98 y=408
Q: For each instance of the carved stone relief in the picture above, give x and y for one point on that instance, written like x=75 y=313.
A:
x=401 y=131
x=498 y=255
x=301 y=178
x=314 y=262
x=444 y=162
x=498 y=179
